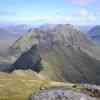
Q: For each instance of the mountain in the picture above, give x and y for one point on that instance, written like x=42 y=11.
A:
x=94 y=33
x=84 y=28
x=64 y=33
x=9 y=34
x=66 y=53
x=6 y=38
x=18 y=29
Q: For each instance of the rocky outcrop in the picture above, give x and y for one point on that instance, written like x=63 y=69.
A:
x=59 y=94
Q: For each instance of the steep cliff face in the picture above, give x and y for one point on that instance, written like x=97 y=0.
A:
x=66 y=54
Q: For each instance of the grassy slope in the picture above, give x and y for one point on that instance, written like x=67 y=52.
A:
x=20 y=85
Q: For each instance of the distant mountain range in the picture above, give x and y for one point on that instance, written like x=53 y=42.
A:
x=6 y=38
x=84 y=28
x=8 y=34
x=94 y=33
x=19 y=29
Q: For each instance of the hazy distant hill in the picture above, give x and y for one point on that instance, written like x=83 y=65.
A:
x=10 y=33
x=94 y=33
x=6 y=38
x=84 y=28
x=67 y=54
x=19 y=29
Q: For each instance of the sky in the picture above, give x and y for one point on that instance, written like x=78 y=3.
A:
x=77 y=12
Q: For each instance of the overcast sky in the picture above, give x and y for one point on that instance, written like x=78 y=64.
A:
x=80 y=12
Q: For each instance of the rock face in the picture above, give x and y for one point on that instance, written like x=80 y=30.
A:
x=29 y=60
x=67 y=54
x=60 y=94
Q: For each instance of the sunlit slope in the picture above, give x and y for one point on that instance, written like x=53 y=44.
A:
x=20 y=85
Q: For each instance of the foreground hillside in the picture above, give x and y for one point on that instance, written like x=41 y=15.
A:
x=62 y=94
x=21 y=85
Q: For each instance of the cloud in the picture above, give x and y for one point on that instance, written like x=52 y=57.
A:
x=33 y=18
x=82 y=17
x=84 y=12
x=87 y=14
x=79 y=17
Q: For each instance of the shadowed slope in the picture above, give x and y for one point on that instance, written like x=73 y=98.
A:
x=29 y=60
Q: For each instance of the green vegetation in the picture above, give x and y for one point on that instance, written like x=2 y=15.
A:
x=21 y=84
